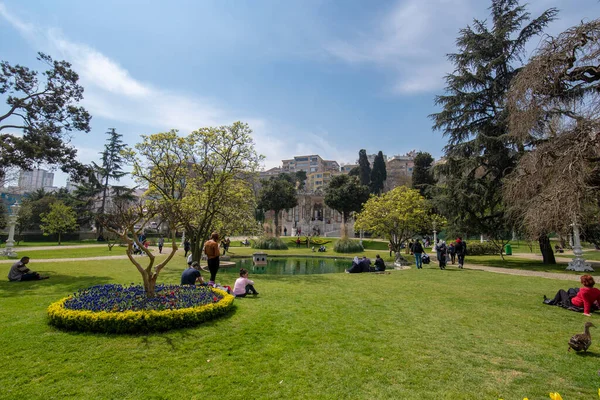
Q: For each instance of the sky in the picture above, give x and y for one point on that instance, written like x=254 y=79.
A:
x=327 y=77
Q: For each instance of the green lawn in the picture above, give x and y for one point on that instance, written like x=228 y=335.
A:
x=415 y=334
x=58 y=252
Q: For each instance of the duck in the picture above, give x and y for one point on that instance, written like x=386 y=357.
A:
x=582 y=341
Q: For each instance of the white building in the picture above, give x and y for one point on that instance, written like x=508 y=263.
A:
x=30 y=181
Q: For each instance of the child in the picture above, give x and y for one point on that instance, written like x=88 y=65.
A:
x=243 y=285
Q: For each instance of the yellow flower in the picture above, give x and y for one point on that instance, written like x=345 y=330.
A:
x=556 y=396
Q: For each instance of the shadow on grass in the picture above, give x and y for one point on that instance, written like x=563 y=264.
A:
x=62 y=283
x=588 y=354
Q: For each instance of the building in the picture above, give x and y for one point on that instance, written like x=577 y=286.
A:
x=347 y=168
x=311 y=163
x=399 y=170
x=269 y=173
x=30 y=181
x=317 y=181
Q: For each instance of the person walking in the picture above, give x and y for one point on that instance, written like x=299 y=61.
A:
x=186 y=247
x=211 y=249
x=441 y=250
x=161 y=243
x=461 y=250
x=417 y=250
x=452 y=252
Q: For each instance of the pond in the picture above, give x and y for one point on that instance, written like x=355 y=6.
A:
x=290 y=266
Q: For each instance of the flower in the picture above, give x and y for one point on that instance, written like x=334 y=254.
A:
x=555 y=396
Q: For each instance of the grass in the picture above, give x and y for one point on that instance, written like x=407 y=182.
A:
x=57 y=252
x=411 y=334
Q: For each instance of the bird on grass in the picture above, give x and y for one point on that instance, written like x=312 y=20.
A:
x=582 y=341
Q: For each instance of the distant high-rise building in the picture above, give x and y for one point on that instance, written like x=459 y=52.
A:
x=311 y=163
x=30 y=181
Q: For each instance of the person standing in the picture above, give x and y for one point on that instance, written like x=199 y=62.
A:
x=161 y=243
x=461 y=250
x=285 y=231
x=441 y=249
x=20 y=273
x=186 y=247
x=390 y=248
x=211 y=249
x=417 y=249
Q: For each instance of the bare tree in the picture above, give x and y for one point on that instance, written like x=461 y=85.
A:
x=554 y=116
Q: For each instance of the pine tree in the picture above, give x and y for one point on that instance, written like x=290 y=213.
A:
x=479 y=153
x=111 y=167
x=364 y=167
x=378 y=174
x=422 y=176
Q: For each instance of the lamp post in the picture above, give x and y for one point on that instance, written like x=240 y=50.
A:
x=12 y=221
x=578 y=263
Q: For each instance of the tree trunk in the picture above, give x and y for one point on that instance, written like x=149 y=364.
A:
x=546 y=249
x=344 y=233
x=59 y=238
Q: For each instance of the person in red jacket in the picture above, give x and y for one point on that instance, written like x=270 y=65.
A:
x=587 y=296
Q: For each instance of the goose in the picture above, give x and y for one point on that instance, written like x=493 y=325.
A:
x=582 y=341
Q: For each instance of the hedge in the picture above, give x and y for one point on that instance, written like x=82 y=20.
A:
x=136 y=321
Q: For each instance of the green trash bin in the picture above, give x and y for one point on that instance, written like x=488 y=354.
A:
x=508 y=249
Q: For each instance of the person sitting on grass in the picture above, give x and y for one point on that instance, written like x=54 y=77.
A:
x=192 y=275
x=379 y=264
x=588 y=297
x=243 y=285
x=19 y=272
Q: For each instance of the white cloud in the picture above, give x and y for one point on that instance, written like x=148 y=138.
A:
x=411 y=41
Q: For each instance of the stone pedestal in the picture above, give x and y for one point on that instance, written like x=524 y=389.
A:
x=10 y=242
x=578 y=263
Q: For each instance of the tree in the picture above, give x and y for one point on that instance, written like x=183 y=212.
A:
x=480 y=153
x=396 y=215
x=300 y=177
x=111 y=168
x=378 y=174
x=205 y=178
x=127 y=221
x=3 y=215
x=553 y=114
x=60 y=219
x=346 y=195
x=422 y=176
x=364 y=167
x=45 y=110
x=354 y=172
x=277 y=194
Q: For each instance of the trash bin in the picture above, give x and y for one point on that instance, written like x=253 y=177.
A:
x=508 y=249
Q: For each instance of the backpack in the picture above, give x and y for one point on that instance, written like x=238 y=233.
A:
x=425 y=258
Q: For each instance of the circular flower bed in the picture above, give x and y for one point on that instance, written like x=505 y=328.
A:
x=126 y=309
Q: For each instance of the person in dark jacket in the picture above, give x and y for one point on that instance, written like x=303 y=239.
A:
x=379 y=264
x=365 y=264
x=461 y=250
x=441 y=249
x=417 y=250
x=452 y=252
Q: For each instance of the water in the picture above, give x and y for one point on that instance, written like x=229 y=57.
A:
x=290 y=266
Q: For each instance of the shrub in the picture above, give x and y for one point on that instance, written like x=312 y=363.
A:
x=303 y=239
x=269 y=243
x=481 y=249
x=348 y=246
x=118 y=309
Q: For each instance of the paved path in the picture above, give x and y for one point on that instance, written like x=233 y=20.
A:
x=523 y=272
x=55 y=247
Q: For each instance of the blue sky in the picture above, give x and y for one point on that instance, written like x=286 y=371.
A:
x=310 y=77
